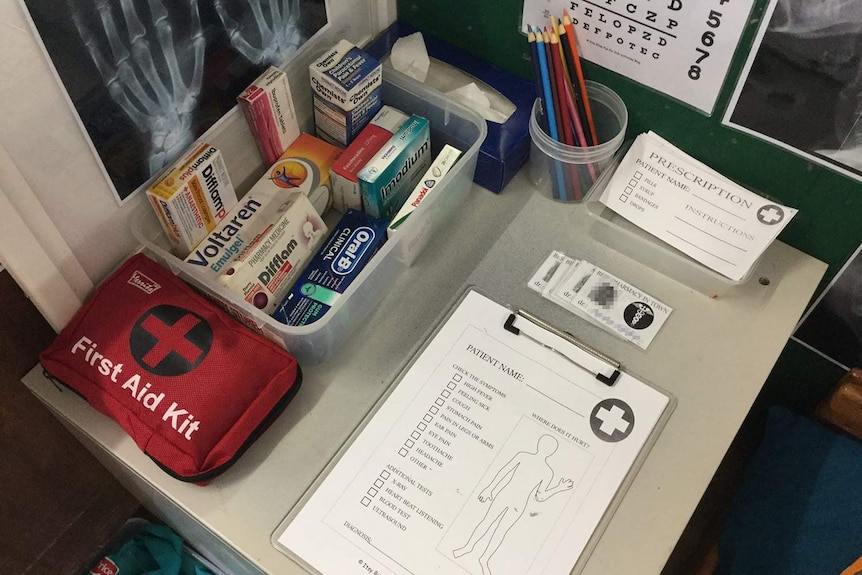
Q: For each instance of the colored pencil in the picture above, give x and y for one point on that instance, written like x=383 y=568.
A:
x=573 y=45
x=537 y=73
x=555 y=90
x=548 y=101
x=568 y=59
x=582 y=137
x=568 y=137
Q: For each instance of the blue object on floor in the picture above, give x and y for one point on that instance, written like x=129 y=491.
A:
x=799 y=510
x=153 y=550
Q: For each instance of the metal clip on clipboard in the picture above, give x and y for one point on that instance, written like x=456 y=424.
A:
x=574 y=350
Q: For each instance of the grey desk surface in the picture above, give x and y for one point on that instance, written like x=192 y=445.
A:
x=712 y=355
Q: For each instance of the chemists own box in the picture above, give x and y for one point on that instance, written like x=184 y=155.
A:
x=451 y=124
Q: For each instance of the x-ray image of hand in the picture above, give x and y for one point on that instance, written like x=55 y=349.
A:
x=827 y=32
x=269 y=36
x=155 y=80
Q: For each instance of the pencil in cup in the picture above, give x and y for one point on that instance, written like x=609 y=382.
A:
x=549 y=156
x=547 y=115
x=572 y=178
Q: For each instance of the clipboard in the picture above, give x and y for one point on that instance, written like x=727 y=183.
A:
x=493 y=401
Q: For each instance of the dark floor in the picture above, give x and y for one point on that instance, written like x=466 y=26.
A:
x=58 y=505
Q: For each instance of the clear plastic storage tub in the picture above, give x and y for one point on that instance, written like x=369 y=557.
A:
x=618 y=233
x=451 y=124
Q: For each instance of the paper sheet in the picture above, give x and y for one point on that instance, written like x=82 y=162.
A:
x=493 y=455
x=682 y=48
x=693 y=208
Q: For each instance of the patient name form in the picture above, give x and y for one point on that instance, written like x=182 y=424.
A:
x=492 y=455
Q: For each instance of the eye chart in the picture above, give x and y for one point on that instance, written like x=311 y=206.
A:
x=682 y=48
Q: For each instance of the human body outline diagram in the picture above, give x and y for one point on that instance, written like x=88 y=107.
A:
x=527 y=475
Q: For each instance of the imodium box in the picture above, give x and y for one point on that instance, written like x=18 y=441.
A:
x=268 y=109
x=345 y=83
x=192 y=196
x=303 y=167
x=265 y=270
x=351 y=244
x=345 y=183
x=395 y=169
x=439 y=168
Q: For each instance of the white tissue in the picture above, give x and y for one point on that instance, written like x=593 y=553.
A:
x=410 y=57
x=474 y=98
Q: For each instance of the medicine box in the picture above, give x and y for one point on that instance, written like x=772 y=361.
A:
x=344 y=173
x=303 y=167
x=619 y=234
x=450 y=124
x=507 y=147
x=268 y=108
x=345 y=84
x=389 y=177
x=263 y=273
x=192 y=196
x=352 y=244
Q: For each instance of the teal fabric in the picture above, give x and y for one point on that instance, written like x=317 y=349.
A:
x=156 y=550
x=799 y=510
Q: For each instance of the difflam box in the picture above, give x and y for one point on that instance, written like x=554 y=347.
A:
x=192 y=196
x=263 y=273
x=268 y=109
x=345 y=83
x=304 y=167
x=395 y=169
x=344 y=173
x=353 y=242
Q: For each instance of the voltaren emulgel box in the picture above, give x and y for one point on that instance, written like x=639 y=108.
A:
x=395 y=169
x=353 y=242
x=303 y=167
x=263 y=273
x=345 y=183
x=345 y=83
x=268 y=108
x=192 y=196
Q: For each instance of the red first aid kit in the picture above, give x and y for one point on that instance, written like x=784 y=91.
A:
x=191 y=385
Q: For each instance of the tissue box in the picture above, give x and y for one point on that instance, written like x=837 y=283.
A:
x=507 y=147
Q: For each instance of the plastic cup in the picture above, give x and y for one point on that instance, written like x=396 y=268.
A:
x=566 y=173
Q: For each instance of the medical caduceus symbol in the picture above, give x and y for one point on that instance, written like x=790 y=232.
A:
x=268 y=37
x=157 y=84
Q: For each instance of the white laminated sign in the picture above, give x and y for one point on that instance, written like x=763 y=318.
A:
x=693 y=208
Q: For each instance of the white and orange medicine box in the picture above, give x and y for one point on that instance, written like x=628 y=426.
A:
x=192 y=197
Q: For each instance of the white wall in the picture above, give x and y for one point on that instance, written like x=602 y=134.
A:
x=41 y=134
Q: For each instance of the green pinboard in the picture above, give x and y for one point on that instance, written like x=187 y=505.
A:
x=830 y=204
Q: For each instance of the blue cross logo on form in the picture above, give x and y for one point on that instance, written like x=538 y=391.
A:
x=770 y=214
x=612 y=420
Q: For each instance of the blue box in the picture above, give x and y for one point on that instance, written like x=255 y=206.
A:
x=507 y=147
x=353 y=242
